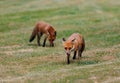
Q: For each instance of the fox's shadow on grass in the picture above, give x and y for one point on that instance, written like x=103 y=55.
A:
x=87 y=61
x=82 y=61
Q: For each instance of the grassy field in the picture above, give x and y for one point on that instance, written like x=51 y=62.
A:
x=23 y=62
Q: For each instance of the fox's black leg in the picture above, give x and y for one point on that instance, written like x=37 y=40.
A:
x=44 y=41
x=79 y=52
x=38 y=39
x=68 y=60
x=81 y=49
x=83 y=46
x=41 y=35
x=74 y=57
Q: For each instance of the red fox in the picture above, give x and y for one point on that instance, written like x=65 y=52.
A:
x=74 y=43
x=43 y=28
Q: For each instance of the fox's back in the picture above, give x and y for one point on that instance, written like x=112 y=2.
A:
x=77 y=37
x=43 y=27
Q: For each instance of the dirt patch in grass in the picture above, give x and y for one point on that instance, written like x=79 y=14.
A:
x=9 y=47
x=106 y=58
x=11 y=52
x=44 y=59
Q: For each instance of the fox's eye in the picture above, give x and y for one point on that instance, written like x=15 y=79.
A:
x=65 y=48
x=69 y=48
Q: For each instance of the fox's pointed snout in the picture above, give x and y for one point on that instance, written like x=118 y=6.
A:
x=68 y=54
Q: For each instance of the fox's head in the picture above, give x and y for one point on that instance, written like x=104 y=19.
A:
x=68 y=46
x=52 y=37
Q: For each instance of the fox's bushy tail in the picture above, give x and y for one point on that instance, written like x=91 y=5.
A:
x=33 y=35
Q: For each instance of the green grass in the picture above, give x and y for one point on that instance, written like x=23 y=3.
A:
x=97 y=20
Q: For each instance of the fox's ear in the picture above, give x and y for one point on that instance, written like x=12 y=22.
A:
x=55 y=33
x=73 y=40
x=63 y=40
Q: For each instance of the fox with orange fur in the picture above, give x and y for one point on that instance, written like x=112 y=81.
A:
x=74 y=43
x=43 y=28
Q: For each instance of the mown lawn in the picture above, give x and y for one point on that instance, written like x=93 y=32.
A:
x=23 y=62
